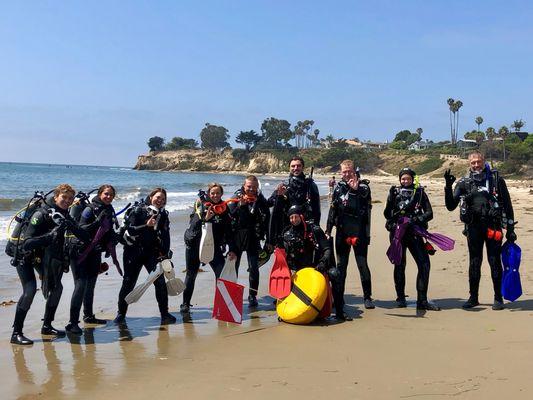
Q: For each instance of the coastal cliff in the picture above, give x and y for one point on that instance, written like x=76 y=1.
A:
x=382 y=163
x=203 y=160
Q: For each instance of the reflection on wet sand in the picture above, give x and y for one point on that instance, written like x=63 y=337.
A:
x=52 y=386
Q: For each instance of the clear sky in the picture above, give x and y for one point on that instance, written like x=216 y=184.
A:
x=90 y=82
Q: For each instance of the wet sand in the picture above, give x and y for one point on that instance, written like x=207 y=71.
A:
x=385 y=353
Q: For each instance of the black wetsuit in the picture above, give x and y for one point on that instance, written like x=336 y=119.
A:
x=306 y=246
x=149 y=246
x=85 y=273
x=301 y=191
x=249 y=226
x=44 y=249
x=486 y=203
x=350 y=213
x=414 y=204
x=222 y=236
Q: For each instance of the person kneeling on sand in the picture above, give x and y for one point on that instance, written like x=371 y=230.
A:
x=485 y=209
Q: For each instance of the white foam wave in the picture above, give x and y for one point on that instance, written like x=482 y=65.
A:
x=181 y=194
x=129 y=196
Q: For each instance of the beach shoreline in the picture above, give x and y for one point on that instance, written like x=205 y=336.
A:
x=383 y=353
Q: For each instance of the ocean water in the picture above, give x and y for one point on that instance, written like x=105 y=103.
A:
x=19 y=181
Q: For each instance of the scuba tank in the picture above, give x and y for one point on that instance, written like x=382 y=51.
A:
x=22 y=219
x=80 y=202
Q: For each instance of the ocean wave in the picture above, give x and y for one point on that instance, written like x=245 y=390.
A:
x=129 y=196
x=12 y=204
x=181 y=194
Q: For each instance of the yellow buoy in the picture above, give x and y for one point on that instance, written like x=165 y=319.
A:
x=308 y=295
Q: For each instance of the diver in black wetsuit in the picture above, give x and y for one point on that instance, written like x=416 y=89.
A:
x=297 y=190
x=485 y=209
x=305 y=243
x=250 y=215
x=208 y=209
x=350 y=210
x=411 y=201
x=85 y=272
x=44 y=249
x=147 y=240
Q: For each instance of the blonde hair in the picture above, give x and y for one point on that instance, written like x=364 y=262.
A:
x=348 y=163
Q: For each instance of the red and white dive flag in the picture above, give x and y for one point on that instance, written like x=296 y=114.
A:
x=228 y=301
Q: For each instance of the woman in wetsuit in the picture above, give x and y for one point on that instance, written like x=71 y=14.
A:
x=85 y=263
x=410 y=200
x=146 y=242
x=208 y=209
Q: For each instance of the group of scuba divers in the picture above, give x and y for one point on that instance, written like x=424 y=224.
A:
x=60 y=236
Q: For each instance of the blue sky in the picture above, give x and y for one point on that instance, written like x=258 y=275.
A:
x=90 y=83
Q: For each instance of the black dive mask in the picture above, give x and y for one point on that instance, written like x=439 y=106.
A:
x=406 y=193
x=293 y=242
x=478 y=176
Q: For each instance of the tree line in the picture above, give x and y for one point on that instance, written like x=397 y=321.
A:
x=275 y=134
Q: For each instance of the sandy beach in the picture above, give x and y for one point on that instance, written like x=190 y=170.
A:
x=385 y=353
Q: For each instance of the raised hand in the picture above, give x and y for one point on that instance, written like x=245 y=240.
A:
x=449 y=178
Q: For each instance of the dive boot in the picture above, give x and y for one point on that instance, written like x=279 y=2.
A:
x=369 y=304
x=342 y=316
x=426 y=305
x=401 y=302
x=471 y=303
x=252 y=301
x=167 y=319
x=91 y=319
x=119 y=319
x=73 y=328
x=51 y=331
x=497 y=305
x=20 y=339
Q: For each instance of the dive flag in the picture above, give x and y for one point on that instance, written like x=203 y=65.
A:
x=228 y=301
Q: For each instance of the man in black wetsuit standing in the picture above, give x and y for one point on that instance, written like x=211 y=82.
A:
x=485 y=209
x=298 y=190
x=350 y=209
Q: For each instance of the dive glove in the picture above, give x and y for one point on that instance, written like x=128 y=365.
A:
x=510 y=235
x=449 y=178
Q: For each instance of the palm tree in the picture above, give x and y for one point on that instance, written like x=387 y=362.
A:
x=490 y=133
x=479 y=121
x=450 y=102
x=518 y=124
x=419 y=132
x=456 y=106
x=503 y=132
x=316 y=132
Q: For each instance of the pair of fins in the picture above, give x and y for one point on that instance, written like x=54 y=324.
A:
x=280 y=276
x=511 y=257
x=174 y=285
